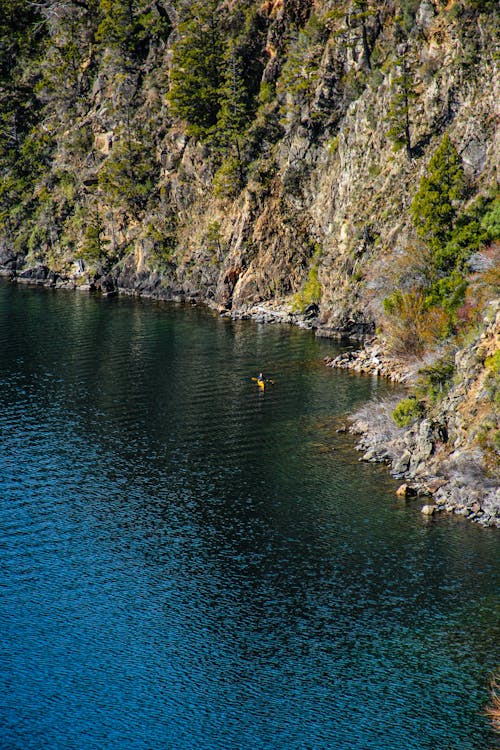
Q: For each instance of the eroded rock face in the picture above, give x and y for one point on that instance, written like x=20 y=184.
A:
x=103 y=142
x=324 y=186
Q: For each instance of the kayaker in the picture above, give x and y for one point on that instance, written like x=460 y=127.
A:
x=261 y=380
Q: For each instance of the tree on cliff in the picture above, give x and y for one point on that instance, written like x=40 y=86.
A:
x=435 y=205
x=296 y=86
x=22 y=145
x=131 y=25
x=233 y=113
x=399 y=113
x=198 y=68
x=359 y=16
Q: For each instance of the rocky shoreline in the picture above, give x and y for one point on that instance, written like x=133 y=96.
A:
x=372 y=360
x=445 y=480
x=436 y=458
x=150 y=286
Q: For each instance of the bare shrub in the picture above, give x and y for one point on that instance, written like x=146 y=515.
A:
x=493 y=710
x=374 y=420
x=410 y=325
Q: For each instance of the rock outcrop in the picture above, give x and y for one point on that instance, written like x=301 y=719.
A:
x=447 y=455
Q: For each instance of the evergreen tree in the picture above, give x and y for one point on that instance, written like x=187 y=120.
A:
x=399 y=113
x=233 y=113
x=130 y=26
x=197 y=68
x=360 y=13
x=297 y=83
x=94 y=242
x=22 y=38
x=127 y=177
x=434 y=207
x=118 y=23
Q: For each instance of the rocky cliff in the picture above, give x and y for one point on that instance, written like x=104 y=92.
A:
x=447 y=455
x=338 y=158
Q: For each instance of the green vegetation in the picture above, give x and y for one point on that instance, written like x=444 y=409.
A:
x=492 y=365
x=297 y=83
x=361 y=13
x=161 y=232
x=214 y=240
x=311 y=290
x=399 y=113
x=215 y=73
x=22 y=147
x=198 y=67
x=407 y=11
x=451 y=232
x=491 y=220
x=127 y=177
x=408 y=410
x=434 y=207
x=131 y=25
x=435 y=381
x=432 y=385
x=94 y=241
x=118 y=116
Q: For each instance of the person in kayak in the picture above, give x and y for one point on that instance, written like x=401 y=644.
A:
x=261 y=380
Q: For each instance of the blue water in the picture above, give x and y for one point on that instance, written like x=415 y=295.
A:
x=186 y=562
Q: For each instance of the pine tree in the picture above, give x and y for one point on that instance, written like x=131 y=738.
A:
x=434 y=207
x=128 y=175
x=233 y=113
x=94 y=242
x=399 y=113
x=297 y=84
x=22 y=38
x=197 y=69
x=359 y=15
x=118 y=23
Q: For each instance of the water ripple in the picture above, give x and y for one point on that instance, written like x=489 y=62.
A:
x=189 y=563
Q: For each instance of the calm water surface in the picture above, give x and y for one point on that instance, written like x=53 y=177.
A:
x=188 y=563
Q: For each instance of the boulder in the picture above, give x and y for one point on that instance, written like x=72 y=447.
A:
x=311 y=312
x=406 y=490
x=401 y=465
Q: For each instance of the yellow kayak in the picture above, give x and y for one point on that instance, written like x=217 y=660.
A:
x=261 y=382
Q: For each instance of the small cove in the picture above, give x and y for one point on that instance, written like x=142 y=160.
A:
x=190 y=563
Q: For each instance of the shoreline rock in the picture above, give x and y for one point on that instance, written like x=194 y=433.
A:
x=415 y=455
x=452 y=482
x=372 y=360
x=150 y=287
x=437 y=457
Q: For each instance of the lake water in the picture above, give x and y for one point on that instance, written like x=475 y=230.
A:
x=186 y=562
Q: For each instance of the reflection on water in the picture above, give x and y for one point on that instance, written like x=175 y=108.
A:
x=189 y=563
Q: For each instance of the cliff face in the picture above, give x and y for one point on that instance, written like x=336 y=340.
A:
x=249 y=153
x=320 y=169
